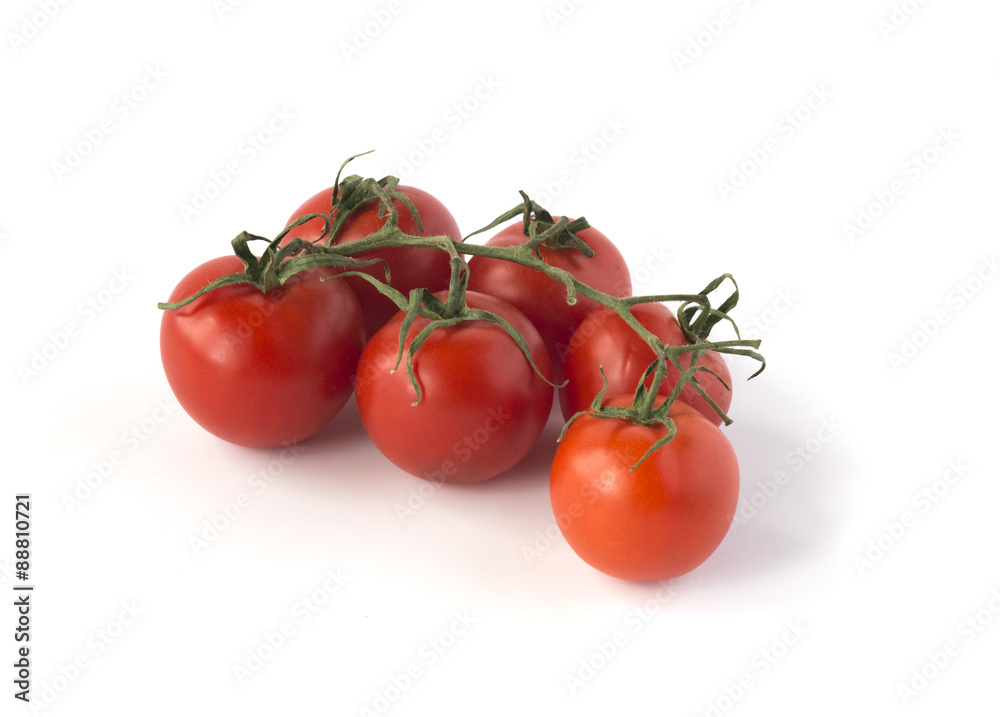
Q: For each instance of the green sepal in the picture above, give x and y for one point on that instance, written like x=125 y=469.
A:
x=227 y=280
x=539 y=227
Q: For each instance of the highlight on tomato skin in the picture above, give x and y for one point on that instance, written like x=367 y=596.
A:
x=482 y=406
x=604 y=341
x=659 y=521
x=262 y=369
x=409 y=267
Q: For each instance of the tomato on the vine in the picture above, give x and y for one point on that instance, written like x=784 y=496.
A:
x=659 y=521
x=543 y=299
x=409 y=267
x=604 y=341
x=481 y=408
x=262 y=369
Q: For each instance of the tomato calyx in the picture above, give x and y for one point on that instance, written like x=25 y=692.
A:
x=696 y=317
x=354 y=191
x=647 y=409
x=275 y=265
x=444 y=314
x=538 y=225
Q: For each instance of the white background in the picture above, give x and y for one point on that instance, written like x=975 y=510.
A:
x=865 y=564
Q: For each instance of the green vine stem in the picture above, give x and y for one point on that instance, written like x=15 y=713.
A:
x=275 y=265
x=695 y=314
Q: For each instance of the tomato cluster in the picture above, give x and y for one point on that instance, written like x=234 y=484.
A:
x=454 y=363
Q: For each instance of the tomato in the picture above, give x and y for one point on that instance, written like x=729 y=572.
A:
x=604 y=340
x=260 y=369
x=542 y=298
x=482 y=405
x=659 y=521
x=409 y=267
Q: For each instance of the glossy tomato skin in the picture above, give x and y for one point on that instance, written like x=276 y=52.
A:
x=259 y=369
x=409 y=267
x=603 y=339
x=482 y=405
x=659 y=521
x=543 y=299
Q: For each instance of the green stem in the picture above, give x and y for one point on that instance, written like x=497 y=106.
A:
x=457 y=287
x=523 y=255
x=696 y=315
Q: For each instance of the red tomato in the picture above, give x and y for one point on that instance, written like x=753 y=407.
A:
x=482 y=406
x=542 y=298
x=409 y=267
x=260 y=369
x=603 y=339
x=659 y=521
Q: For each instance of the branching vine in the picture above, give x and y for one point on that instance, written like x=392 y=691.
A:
x=287 y=255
